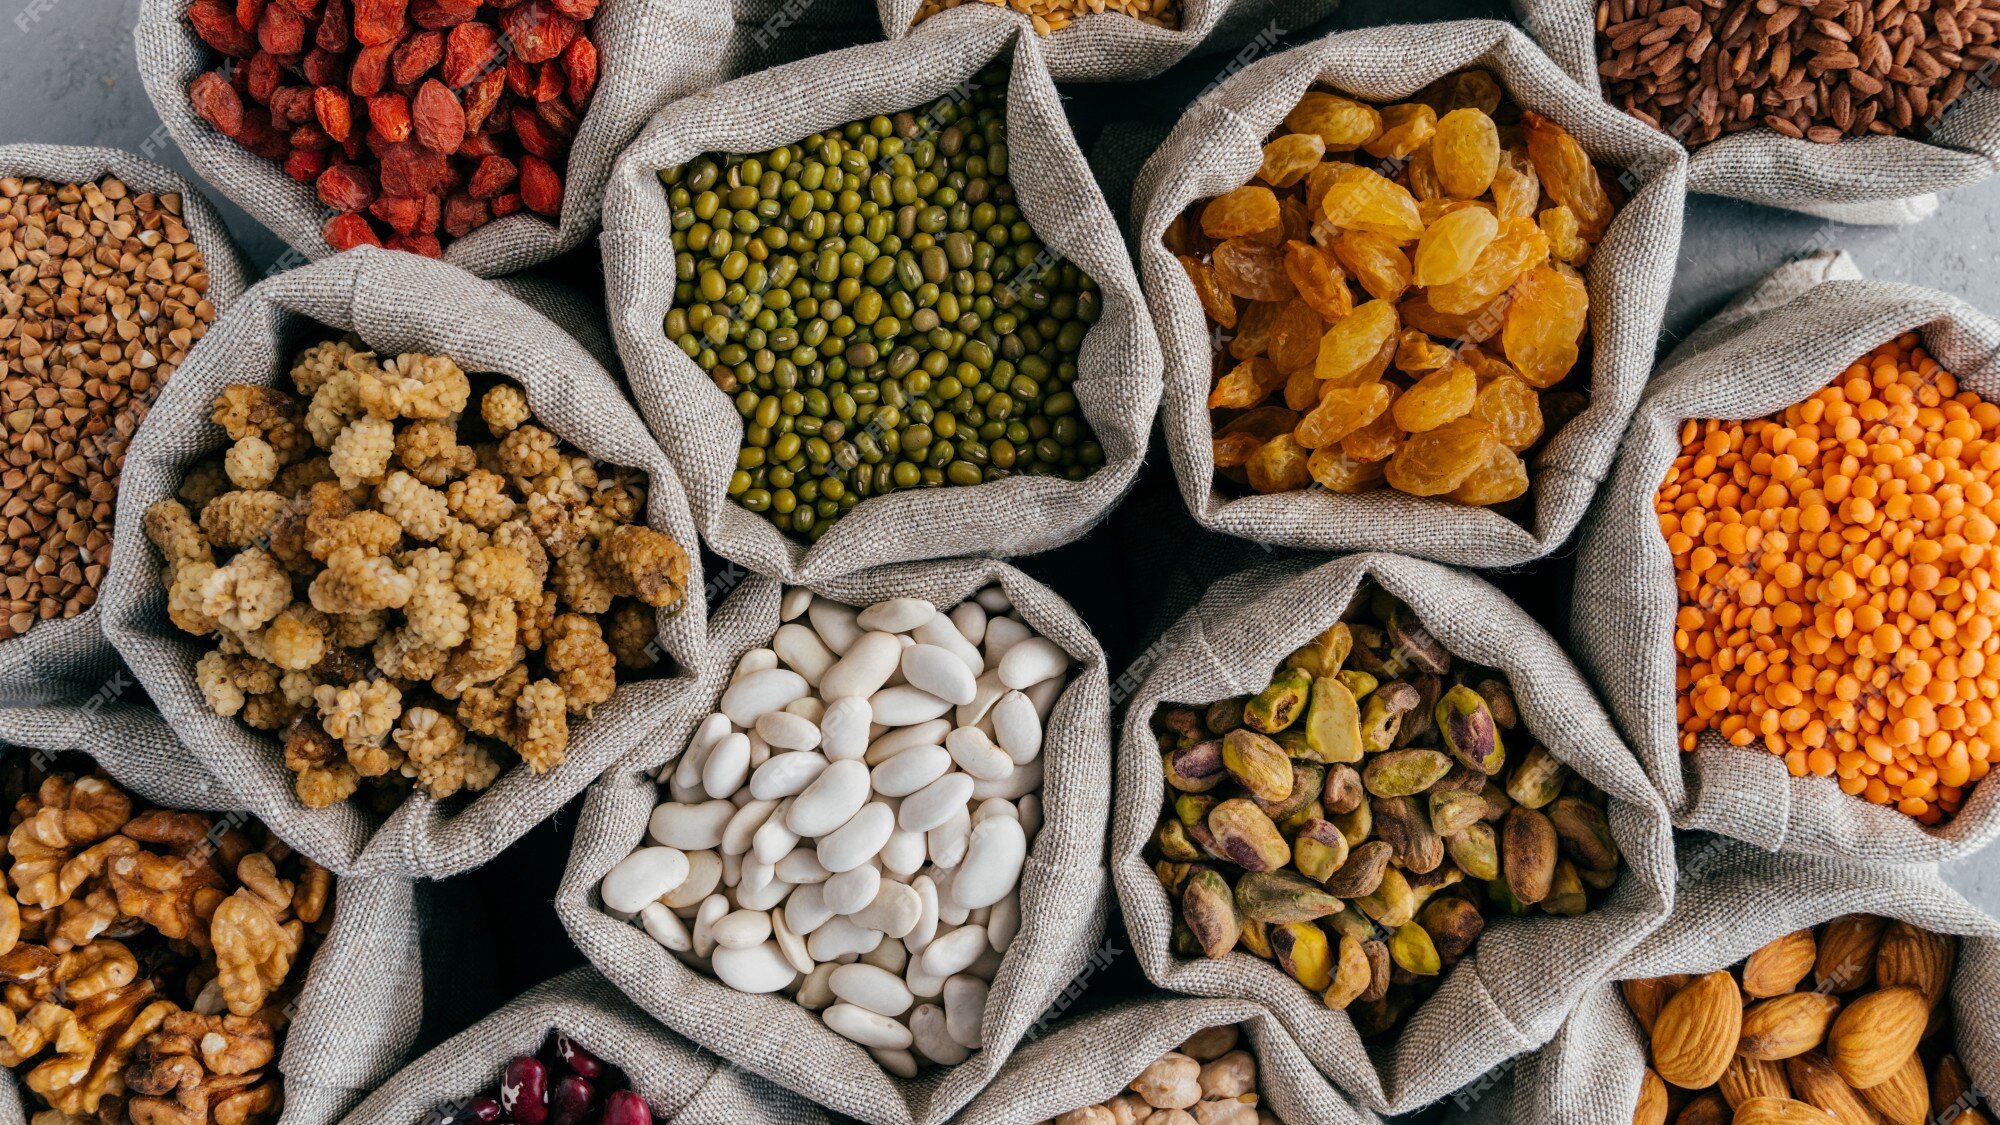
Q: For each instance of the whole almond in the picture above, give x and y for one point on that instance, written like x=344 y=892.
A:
x=1905 y=1099
x=1814 y=1081
x=1916 y=957
x=1952 y=1093
x=1644 y=997
x=1777 y=1111
x=1708 y=1109
x=1847 y=952
x=1652 y=1107
x=1696 y=1032
x=1875 y=1035
x=1779 y=967
x=1749 y=1078
x=1788 y=1025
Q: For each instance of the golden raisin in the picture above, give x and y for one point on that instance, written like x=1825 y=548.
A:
x=1568 y=174
x=1279 y=465
x=1467 y=89
x=1517 y=189
x=1377 y=440
x=1253 y=329
x=1544 y=322
x=1437 y=398
x=1406 y=127
x=1436 y=461
x=1472 y=327
x=1422 y=174
x=1318 y=280
x=1245 y=211
x=1341 y=411
x=1452 y=244
x=1519 y=247
x=1337 y=472
x=1466 y=151
x=1295 y=337
x=1566 y=242
x=1376 y=262
x=1513 y=409
x=1417 y=353
x=1249 y=268
x=1302 y=389
x=1343 y=124
x=1357 y=339
x=1247 y=384
x=1503 y=477
x=1248 y=432
x=1362 y=199
x=1288 y=158
x=1214 y=301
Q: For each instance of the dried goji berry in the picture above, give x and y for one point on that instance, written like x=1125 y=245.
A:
x=506 y=204
x=479 y=146
x=576 y=9
x=468 y=50
x=249 y=13
x=281 y=31
x=345 y=232
x=464 y=214
x=379 y=21
x=559 y=117
x=262 y=137
x=550 y=81
x=520 y=77
x=535 y=134
x=432 y=215
x=437 y=15
x=438 y=118
x=292 y=105
x=369 y=75
x=390 y=114
x=481 y=97
x=415 y=57
x=580 y=63
x=264 y=74
x=409 y=168
x=218 y=28
x=494 y=175
x=217 y=103
x=541 y=186
x=346 y=187
x=423 y=244
x=305 y=164
x=334 y=30
x=353 y=146
x=325 y=68
x=309 y=137
x=334 y=111
x=538 y=32
x=401 y=212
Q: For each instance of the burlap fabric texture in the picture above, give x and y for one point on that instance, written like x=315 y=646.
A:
x=647 y=50
x=1733 y=901
x=1118 y=384
x=1513 y=991
x=1218 y=146
x=1779 y=342
x=1062 y=887
x=396 y=303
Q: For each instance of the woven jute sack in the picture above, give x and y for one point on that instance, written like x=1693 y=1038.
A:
x=1513 y=990
x=1784 y=339
x=60 y=658
x=1734 y=900
x=396 y=303
x=1218 y=146
x=1118 y=384
x=362 y=1002
x=1092 y=1058
x=682 y=1083
x=1874 y=180
x=1062 y=888
x=648 y=50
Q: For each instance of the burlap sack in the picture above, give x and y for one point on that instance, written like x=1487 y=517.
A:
x=70 y=656
x=1062 y=888
x=698 y=424
x=647 y=50
x=1218 y=145
x=1786 y=338
x=397 y=303
x=1872 y=180
x=682 y=1083
x=1518 y=984
x=1734 y=900
x=363 y=997
x=1087 y=1060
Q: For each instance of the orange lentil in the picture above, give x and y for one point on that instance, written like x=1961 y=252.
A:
x=1837 y=567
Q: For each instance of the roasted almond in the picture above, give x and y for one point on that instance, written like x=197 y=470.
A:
x=1905 y=1099
x=1875 y=1034
x=1847 y=952
x=1708 y=1109
x=1777 y=1111
x=1788 y=1025
x=1749 y=1078
x=1915 y=957
x=1644 y=997
x=1814 y=1082
x=1779 y=967
x=1696 y=1033
x=1652 y=1107
x=1952 y=1094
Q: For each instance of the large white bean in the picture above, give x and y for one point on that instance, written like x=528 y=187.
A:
x=906 y=705
x=1032 y=661
x=865 y=668
x=702 y=932
x=1044 y=696
x=1017 y=727
x=801 y=867
x=687 y=768
x=783 y=730
x=902 y=1064
x=994 y=806
x=977 y=755
x=946 y=842
x=936 y=803
x=1030 y=808
x=690 y=827
x=853 y=889
x=728 y=764
x=1026 y=779
x=773 y=840
x=910 y=771
x=987 y=691
x=881 y=992
x=704 y=872
x=843 y=730
x=663 y=926
x=920 y=935
x=764 y=898
x=931 y=1039
x=993 y=599
x=809 y=708
x=1003 y=633
x=742 y=828
x=969 y=618
x=922 y=984
x=760 y=968
x=816 y=991
x=741 y=929
x=794 y=601
x=870 y=1029
x=752 y=662
x=801 y=650
x=945 y=635
x=643 y=877
x=950 y=954
x=838 y=937
x=965 y=1011
x=939 y=672
x=894 y=742
x=790 y=944
x=904 y=853
x=835 y=625
x=759 y=692
x=894 y=910
x=859 y=840
x=834 y=796
x=890 y=957
x=897 y=615
x=1003 y=923
x=992 y=864
x=806 y=910
x=786 y=775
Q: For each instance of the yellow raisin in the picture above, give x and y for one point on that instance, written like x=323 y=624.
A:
x=1342 y=124
x=1567 y=174
x=1335 y=471
x=1437 y=398
x=1214 y=301
x=1486 y=365
x=1517 y=188
x=1566 y=242
x=1417 y=353
x=1519 y=247
x=1436 y=461
x=1262 y=423
x=1341 y=411
x=1279 y=465
x=1302 y=389
x=1503 y=477
x=1318 y=279
x=1377 y=440
x=1422 y=174
x=1253 y=329
x=1294 y=224
x=1247 y=210
x=1232 y=451
x=1288 y=158
x=1249 y=268
x=1349 y=347
x=1406 y=127
x=1376 y=262
x=1295 y=337
x=1513 y=409
x=1362 y=199
x=1463 y=328
x=1466 y=151
x=1247 y=384
x=1466 y=89
x=1544 y=322
x=1320 y=179
x=1452 y=244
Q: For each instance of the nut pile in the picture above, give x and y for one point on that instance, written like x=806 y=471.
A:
x=563 y=1085
x=850 y=826
x=1836 y=567
x=1050 y=16
x=882 y=313
x=1821 y=71
x=411 y=594
x=1848 y=1023
x=148 y=955
x=1350 y=821
x=1461 y=218
x=418 y=121
x=1207 y=1080
x=105 y=294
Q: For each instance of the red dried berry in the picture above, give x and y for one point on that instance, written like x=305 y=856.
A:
x=305 y=164
x=261 y=136
x=437 y=15
x=333 y=34
x=347 y=187
x=539 y=32
x=481 y=97
x=218 y=103
x=325 y=68
x=494 y=175
x=281 y=31
x=390 y=115
x=369 y=75
x=379 y=21
x=415 y=57
x=249 y=13
x=345 y=232
x=218 y=28
x=479 y=146
x=469 y=50
x=550 y=82
x=535 y=134
x=506 y=204
x=264 y=73
x=309 y=9
x=579 y=61
x=559 y=117
x=308 y=137
x=576 y=9
x=438 y=118
x=401 y=212
x=292 y=105
x=424 y=244
x=520 y=77
x=334 y=111
x=541 y=186
x=411 y=169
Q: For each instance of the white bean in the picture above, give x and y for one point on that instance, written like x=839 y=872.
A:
x=1004 y=923
x=835 y=625
x=904 y=853
x=764 y=898
x=902 y=1064
x=752 y=662
x=687 y=768
x=910 y=771
x=890 y=957
x=839 y=937
x=816 y=992
x=786 y=731
x=867 y=1028
x=691 y=828
x=843 y=730
x=834 y=796
x=760 y=968
x=664 y=927
x=936 y=803
x=987 y=691
x=1030 y=808
x=643 y=877
x=946 y=842
x=759 y=692
x=800 y=649
x=938 y=671
x=1017 y=727
x=806 y=910
x=1003 y=633
x=793 y=602
x=866 y=667
x=942 y=633
x=790 y=944
x=801 y=867
x=992 y=866
x=965 y=1011
x=874 y=989
x=741 y=929
x=1032 y=661
x=859 y=840
x=932 y=1040
x=728 y=764
x=906 y=705
x=921 y=934
x=1044 y=696
x=786 y=775
x=953 y=953
x=897 y=615
x=969 y=618
x=853 y=889
x=976 y=754
x=808 y=708
x=1024 y=780
x=894 y=742
x=894 y=910
x=773 y=840
x=994 y=806
x=712 y=908
x=704 y=872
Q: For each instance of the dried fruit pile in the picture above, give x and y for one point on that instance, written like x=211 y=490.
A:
x=417 y=120
x=1050 y=16
x=1207 y=1079
x=148 y=954
x=105 y=292
x=1821 y=71
x=1460 y=218
x=411 y=594
x=1866 y=1040
x=1349 y=821
x=882 y=313
x=563 y=1085
x=1836 y=566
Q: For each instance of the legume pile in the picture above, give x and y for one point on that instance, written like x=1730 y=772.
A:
x=882 y=313
x=105 y=293
x=1836 y=566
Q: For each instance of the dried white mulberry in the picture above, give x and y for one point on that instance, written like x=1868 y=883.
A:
x=541 y=726
x=361 y=453
x=581 y=662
